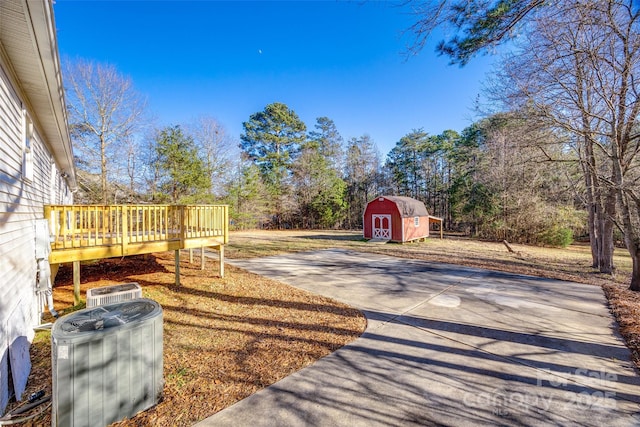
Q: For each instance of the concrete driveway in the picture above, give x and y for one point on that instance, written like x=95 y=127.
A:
x=449 y=345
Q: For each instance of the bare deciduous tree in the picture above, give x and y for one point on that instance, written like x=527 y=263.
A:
x=578 y=66
x=217 y=150
x=104 y=112
x=362 y=176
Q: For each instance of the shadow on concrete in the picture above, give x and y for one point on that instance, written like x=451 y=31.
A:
x=418 y=364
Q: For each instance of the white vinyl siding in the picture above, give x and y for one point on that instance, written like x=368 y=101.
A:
x=23 y=194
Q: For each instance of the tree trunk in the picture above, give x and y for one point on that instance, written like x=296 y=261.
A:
x=606 y=237
x=103 y=169
x=631 y=232
x=635 y=269
x=601 y=207
x=594 y=235
x=592 y=209
x=631 y=239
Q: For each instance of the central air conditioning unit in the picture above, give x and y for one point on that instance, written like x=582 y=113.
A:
x=112 y=294
x=107 y=363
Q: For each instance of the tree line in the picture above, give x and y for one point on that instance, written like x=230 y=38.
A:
x=573 y=67
x=556 y=158
x=487 y=181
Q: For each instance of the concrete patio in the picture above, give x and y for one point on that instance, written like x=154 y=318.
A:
x=449 y=345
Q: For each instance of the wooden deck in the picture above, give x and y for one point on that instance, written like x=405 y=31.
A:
x=89 y=232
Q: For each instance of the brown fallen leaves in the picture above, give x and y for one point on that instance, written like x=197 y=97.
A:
x=625 y=306
x=224 y=339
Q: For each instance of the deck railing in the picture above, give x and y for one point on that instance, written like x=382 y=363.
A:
x=85 y=232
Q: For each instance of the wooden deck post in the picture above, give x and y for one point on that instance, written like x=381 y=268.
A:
x=124 y=223
x=221 y=258
x=225 y=218
x=177 y=257
x=202 y=258
x=76 y=282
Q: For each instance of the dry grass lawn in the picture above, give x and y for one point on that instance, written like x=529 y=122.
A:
x=227 y=338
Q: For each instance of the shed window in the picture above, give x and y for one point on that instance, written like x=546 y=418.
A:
x=27 y=149
x=416 y=221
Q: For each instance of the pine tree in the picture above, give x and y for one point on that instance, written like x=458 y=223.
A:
x=183 y=176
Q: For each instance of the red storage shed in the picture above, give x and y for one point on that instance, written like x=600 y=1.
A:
x=398 y=219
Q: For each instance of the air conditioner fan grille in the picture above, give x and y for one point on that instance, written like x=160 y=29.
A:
x=107 y=316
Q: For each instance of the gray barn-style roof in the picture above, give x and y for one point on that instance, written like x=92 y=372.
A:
x=408 y=206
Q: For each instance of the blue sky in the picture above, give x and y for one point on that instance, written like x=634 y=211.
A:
x=340 y=59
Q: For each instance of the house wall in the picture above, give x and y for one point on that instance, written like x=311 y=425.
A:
x=411 y=232
x=21 y=204
x=397 y=227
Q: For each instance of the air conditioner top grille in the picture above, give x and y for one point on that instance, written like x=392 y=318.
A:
x=106 y=316
x=114 y=288
x=113 y=294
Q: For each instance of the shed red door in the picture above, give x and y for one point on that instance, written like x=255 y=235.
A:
x=381 y=226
